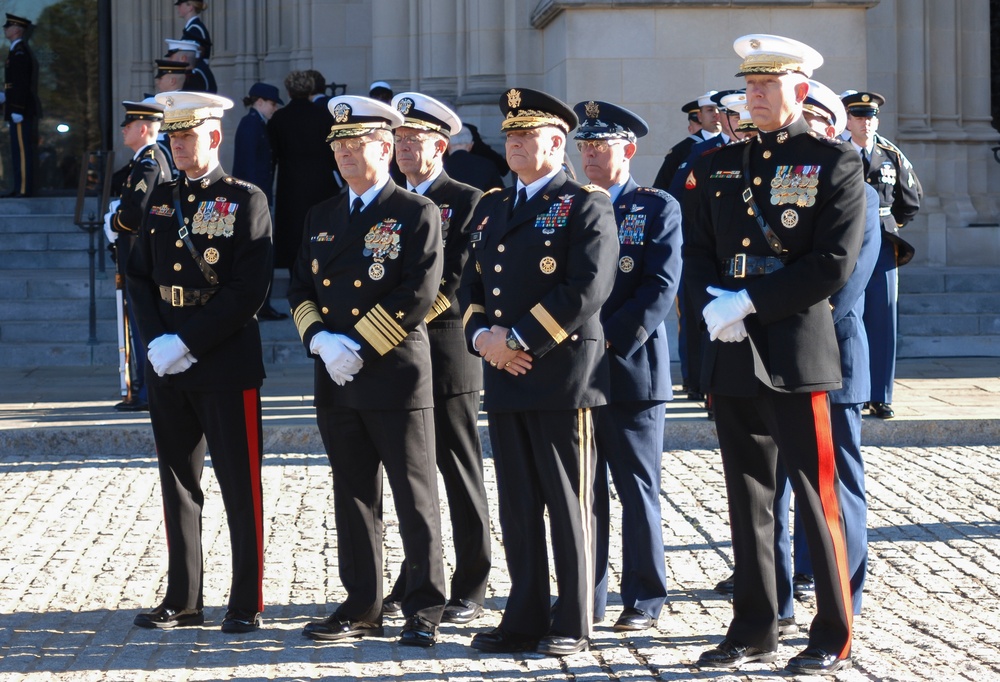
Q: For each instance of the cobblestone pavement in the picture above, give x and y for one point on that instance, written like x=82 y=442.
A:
x=81 y=552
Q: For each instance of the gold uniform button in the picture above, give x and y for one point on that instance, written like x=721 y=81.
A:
x=325 y=310
x=767 y=154
x=756 y=181
x=357 y=283
x=187 y=220
x=497 y=313
x=718 y=194
x=152 y=230
x=574 y=337
x=548 y=243
x=326 y=282
x=190 y=197
x=355 y=312
x=497 y=268
x=496 y=292
x=749 y=211
x=501 y=248
x=177 y=267
x=746 y=241
x=178 y=243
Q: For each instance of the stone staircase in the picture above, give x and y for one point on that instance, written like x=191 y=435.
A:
x=45 y=294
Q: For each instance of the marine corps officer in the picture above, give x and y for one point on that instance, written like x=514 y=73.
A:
x=367 y=274
x=544 y=259
x=421 y=143
x=776 y=227
x=198 y=273
x=630 y=428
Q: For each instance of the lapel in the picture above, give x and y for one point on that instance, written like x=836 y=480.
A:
x=539 y=203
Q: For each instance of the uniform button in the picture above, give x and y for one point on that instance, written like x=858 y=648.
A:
x=325 y=310
x=357 y=283
x=756 y=181
x=869 y=180
x=355 y=312
x=190 y=197
x=497 y=268
x=718 y=194
x=326 y=282
x=496 y=292
x=497 y=313
x=177 y=267
x=746 y=241
x=179 y=243
x=187 y=220
x=548 y=243
x=501 y=248
x=767 y=154
x=749 y=211
x=152 y=230
x=574 y=337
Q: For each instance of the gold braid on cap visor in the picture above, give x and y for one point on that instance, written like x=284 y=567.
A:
x=531 y=118
x=771 y=64
x=355 y=129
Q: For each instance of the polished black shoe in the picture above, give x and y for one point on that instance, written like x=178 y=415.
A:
x=164 y=617
x=500 y=641
x=882 y=410
x=633 y=619
x=803 y=586
x=390 y=607
x=787 y=626
x=696 y=397
x=417 y=632
x=337 y=627
x=732 y=654
x=133 y=405
x=270 y=314
x=461 y=611
x=814 y=661
x=726 y=586
x=238 y=620
x=555 y=645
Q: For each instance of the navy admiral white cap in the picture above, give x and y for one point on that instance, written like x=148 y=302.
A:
x=146 y=110
x=824 y=102
x=181 y=45
x=763 y=53
x=864 y=104
x=426 y=113
x=354 y=116
x=706 y=99
x=603 y=120
x=736 y=102
x=185 y=110
x=718 y=97
x=524 y=109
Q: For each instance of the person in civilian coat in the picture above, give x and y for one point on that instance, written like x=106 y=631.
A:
x=630 y=429
x=472 y=169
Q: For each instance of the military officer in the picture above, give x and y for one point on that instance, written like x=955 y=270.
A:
x=147 y=169
x=707 y=115
x=630 y=429
x=775 y=229
x=199 y=76
x=198 y=273
x=891 y=174
x=194 y=28
x=367 y=275
x=421 y=143
x=21 y=107
x=544 y=260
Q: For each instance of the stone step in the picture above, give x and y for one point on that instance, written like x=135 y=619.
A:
x=929 y=280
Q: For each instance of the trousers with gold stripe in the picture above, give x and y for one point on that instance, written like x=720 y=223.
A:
x=545 y=460
x=754 y=433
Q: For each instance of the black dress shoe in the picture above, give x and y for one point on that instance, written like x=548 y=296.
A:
x=726 y=586
x=882 y=410
x=269 y=313
x=787 y=626
x=556 y=645
x=696 y=397
x=417 y=632
x=341 y=627
x=390 y=607
x=814 y=661
x=164 y=617
x=633 y=619
x=133 y=405
x=732 y=654
x=238 y=620
x=803 y=586
x=461 y=611
x=500 y=641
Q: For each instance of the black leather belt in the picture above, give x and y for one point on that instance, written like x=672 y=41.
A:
x=180 y=297
x=742 y=265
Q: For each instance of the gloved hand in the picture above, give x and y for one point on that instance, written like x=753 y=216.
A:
x=181 y=365
x=338 y=354
x=16 y=118
x=734 y=333
x=164 y=351
x=728 y=308
x=108 y=217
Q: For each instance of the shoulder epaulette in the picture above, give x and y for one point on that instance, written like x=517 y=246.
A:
x=596 y=188
x=653 y=190
x=492 y=190
x=248 y=186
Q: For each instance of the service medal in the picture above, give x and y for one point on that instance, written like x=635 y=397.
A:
x=790 y=218
x=376 y=271
x=547 y=265
x=626 y=264
x=212 y=256
x=315 y=266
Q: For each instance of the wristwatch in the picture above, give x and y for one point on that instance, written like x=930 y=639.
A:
x=512 y=341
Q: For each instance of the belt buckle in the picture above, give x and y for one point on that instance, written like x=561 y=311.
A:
x=739 y=266
x=177 y=296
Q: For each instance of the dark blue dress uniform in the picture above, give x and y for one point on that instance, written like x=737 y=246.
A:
x=374 y=275
x=201 y=77
x=21 y=90
x=679 y=152
x=543 y=270
x=630 y=429
x=770 y=390
x=215 y=404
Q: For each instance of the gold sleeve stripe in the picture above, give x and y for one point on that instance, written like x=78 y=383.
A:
x=472 y=310
x=441 y=304
x=380 y=330
x=549 y=323
x=305 y=316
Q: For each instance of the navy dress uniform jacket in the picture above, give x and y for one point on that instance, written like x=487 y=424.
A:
x=793 y=327
x=222 y=334
x=392 y=293
x=649 y=265
x=196 y=31
x=550 y=292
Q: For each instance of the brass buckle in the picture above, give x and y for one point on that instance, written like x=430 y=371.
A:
x=740 y=266
x=177 y=296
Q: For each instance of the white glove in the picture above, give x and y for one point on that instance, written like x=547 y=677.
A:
x=181 y=365
x=165 y=351
x=108 y=232
x=16 y=118
x=728 y=308
x=734 y=333
x=338 y=354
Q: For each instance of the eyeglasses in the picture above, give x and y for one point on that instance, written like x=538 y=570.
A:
x=352 y=144
x=600 y=146
x=410 y=140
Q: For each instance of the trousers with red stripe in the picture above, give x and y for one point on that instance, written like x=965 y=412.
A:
x=753 y=433
x=228 y=424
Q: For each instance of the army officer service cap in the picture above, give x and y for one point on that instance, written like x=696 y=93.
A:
x=147 y=110
x=166 y=67
x=824 y=102
x=354 y=116
x=14 y=20
x=767 y=54
x=185 y=110
x=426 y=113
x=865 y=104
x=603 y=120
x=524 y=109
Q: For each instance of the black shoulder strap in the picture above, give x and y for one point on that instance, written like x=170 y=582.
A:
x=769 y=235
x=206 y=269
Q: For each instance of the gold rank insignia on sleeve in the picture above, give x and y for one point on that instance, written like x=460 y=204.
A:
x=380 y=331
x=304 y=316
x=441 y=304
x=549 y=323
x=472 y=310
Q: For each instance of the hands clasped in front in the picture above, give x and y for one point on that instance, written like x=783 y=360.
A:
x=339 y=354
x=492 y=346
x=169 y=355
x=724 y=315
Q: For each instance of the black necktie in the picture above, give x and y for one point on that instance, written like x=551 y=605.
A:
x=357 y=205
x=522 y=197
x=865 y=161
